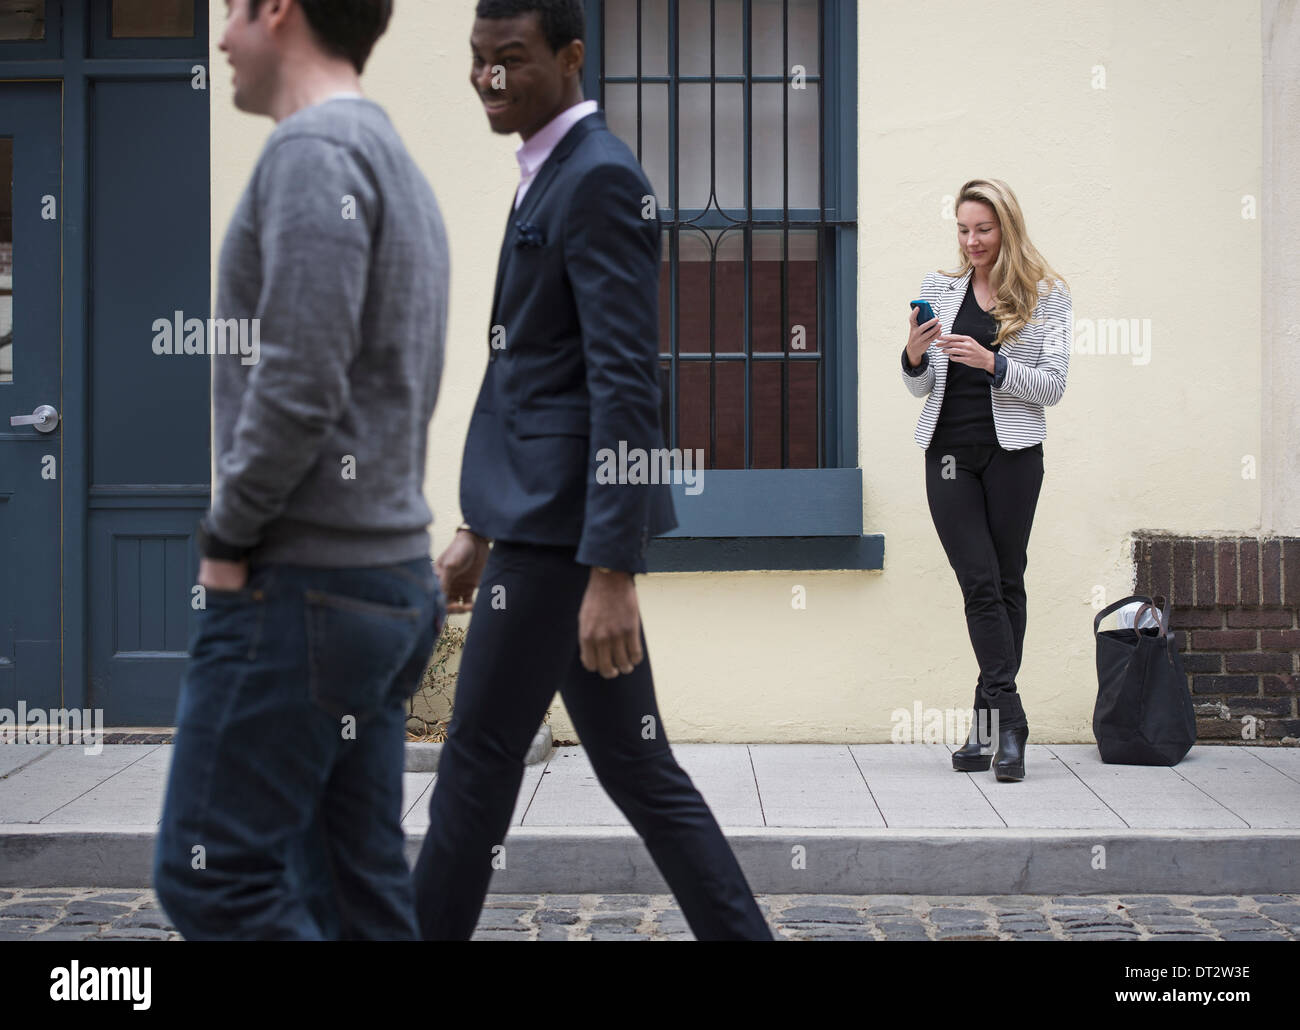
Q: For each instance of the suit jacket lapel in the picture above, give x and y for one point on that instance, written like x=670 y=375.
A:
x=550 y=168
x=506 y=240
x=545 y=177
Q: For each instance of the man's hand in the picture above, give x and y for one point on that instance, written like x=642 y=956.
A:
x=222 y=575
x=609 y=624
x=459 y=568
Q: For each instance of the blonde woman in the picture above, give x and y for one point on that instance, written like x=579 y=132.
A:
x=995 y=354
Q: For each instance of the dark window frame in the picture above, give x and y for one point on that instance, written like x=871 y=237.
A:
x=784 y=518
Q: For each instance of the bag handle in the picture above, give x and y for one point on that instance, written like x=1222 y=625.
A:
x=1156 y=603
x=1162 y=618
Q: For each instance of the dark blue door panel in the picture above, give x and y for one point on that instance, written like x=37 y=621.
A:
x=149 y=452
x=31 y=461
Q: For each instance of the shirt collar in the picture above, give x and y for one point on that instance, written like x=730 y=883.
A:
x=533 y=154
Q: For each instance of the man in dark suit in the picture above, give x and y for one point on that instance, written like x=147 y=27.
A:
x=570 y=385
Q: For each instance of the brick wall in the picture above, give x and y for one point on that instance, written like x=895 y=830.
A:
x=1234 y=607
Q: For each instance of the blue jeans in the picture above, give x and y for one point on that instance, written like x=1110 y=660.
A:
x=282 y=819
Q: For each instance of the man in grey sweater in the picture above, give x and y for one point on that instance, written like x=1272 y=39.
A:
x=317 y=605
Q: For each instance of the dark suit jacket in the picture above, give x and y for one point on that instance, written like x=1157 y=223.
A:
x=573 y=350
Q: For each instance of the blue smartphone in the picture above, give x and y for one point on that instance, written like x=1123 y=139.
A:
x=924 y=312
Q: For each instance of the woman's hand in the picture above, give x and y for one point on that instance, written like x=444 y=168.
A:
x=920 y=337
x=967 y=351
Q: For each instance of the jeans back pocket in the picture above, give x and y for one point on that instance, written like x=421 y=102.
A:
x=355 y=649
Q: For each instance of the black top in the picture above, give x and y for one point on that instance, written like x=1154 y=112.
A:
x=966 y=415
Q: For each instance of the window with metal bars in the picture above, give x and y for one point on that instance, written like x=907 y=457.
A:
x=736 y=110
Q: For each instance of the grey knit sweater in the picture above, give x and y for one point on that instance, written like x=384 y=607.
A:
x=336 y=266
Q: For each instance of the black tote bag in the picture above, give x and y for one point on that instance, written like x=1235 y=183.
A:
x=1144 y=713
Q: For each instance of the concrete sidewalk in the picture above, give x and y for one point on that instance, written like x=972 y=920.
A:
x=803 y=818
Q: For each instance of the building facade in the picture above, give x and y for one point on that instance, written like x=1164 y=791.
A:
x=805 y=155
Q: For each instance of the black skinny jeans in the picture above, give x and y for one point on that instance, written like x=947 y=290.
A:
x=982 y=499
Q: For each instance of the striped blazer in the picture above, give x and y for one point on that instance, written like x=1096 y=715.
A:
x=1037 y=359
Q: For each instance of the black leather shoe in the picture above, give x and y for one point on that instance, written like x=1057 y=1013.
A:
x=974 y=755
x=1009 y=762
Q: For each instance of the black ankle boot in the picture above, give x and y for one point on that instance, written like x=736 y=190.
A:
x=1009 y=762
x=974 y=755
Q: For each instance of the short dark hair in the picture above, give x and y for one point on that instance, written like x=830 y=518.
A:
x=563 y=21
x=346 y=28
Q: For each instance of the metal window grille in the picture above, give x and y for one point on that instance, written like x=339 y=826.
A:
x=724 y=103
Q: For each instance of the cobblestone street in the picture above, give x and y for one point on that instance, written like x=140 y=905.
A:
x=76 y=914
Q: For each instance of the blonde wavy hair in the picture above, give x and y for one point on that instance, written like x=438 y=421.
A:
x=1020 y=274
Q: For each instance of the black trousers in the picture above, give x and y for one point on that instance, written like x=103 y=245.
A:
x=522 y=645
x=982 y=499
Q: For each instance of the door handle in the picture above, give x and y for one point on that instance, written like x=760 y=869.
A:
x=44 y=418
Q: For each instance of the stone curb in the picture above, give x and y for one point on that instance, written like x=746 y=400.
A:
x=608 y=860
x=423 y=758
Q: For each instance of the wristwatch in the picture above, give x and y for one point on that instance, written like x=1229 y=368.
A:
x=214 y=547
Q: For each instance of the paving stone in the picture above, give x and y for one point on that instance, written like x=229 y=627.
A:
x=87 y=924
x=1167 y=915
x=555 y=917
x=137 y=933
x=499 y=918
x=826 y=932
x=551 y=932
x=15 y=937
x=1272 y=899
x=1214 y=903
x=615 y=934
x=126 y=898
x=22 y=910
x=623 y=902
x=1243 y=925
x=1017 y=901
x=1282 y=913
x=1182 y=937
x=1243 y=935
x=819 y=914
x=958 y=915
x=21 y=925
x=6 y=895
x=605 y=920
x=573 y=901
x=1023 y=927
x=143 y=921
x=498 y=934
x=509 y=901
x=671 y=922
x=50 y=895
x=105 y=913
x=1086 y=921
x=1034 y=936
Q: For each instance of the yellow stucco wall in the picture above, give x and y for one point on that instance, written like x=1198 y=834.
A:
x=1132 y=191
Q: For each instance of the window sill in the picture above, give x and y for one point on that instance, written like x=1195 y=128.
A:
x=785 y=519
